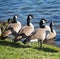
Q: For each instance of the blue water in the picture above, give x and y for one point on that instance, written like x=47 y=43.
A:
x=48 y=9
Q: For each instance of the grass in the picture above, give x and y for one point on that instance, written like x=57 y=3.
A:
x=10 y=50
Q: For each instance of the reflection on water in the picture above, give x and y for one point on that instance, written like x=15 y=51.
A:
x=49 y=9
x=57 y=43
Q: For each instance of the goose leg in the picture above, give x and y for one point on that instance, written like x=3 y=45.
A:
x=40 y=44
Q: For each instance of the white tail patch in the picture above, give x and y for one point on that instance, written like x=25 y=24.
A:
x=34 y=40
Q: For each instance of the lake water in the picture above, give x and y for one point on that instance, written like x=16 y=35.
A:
x=48 y=9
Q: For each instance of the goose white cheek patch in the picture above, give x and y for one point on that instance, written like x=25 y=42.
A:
x=30 y=17
x=34 y=40
x=16 y=17
x=53 y=23
x=44 y=21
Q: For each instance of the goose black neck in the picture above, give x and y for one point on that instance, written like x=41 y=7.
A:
x=9 y=20
x=14 y=20
x=28 y=21
x=41 y=24
x=51 y=27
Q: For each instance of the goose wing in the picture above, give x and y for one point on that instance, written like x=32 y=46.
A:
x=16 y=27
x=6 y=33
x=38 y=34
x=27 y=30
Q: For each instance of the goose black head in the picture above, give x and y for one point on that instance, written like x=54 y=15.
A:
x=14 y=19
x=42 y=22
x=30 y=16
x=51 y=24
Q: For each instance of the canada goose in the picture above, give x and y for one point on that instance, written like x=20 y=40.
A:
x=39 y=34
x=52 y=34
x=16 y=25
x=14 y=19
x=13 y=27
x=26 y=30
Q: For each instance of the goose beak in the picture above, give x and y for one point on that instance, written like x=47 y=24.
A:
x=44 y=21
x=32 y=16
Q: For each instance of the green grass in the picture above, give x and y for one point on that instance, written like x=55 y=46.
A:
x=10 y=50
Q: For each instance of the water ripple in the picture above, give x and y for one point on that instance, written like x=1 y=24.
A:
x=48 y=9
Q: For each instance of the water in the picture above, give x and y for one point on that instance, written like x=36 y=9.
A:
x=48 y=9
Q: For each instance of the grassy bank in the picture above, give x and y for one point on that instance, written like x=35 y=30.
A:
x=10 y=50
